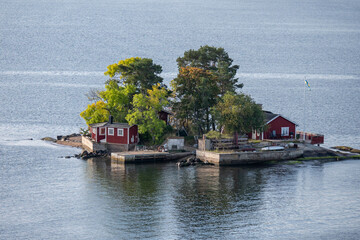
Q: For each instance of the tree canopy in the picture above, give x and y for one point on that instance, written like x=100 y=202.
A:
x=145 y=111
x=205 y=75
x=140 y=72
x=133 y=94
x=238 y=113
x=95 y=113
x=196 y=92
x=204 y=95
x=215 y=60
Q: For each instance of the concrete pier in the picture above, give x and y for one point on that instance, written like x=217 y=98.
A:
x=241 y=158
x=147 y=156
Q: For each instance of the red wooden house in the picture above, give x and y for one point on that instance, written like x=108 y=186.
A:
x=277 y=127
x=115 y=133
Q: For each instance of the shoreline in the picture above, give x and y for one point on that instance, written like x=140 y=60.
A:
x=72 y=140
x=311 y=153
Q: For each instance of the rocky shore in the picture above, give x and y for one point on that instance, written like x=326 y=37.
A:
x=191 y=161
x=85 y=154
x=310 y=151
x=72 y=140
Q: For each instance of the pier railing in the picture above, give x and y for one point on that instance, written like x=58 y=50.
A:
x=312 y=138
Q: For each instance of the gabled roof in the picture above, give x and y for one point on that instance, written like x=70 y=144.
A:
x=107 y=124
x=269 y=117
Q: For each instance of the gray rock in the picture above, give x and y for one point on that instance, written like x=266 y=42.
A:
x=50 y=139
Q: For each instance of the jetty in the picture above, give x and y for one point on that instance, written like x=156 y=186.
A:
x=147 y=156
x=243 y=158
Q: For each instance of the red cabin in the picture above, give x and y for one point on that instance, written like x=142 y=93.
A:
x=278 y=127
x=165 y=116
x=116 y=133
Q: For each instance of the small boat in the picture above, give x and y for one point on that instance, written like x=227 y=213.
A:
x=273 y=148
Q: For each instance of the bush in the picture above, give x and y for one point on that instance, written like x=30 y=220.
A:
x=217 y=135
x=189 y=140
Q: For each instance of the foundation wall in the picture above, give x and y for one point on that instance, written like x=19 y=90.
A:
x=246 y=157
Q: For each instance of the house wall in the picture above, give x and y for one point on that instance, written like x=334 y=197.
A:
x=117 y=139
x=175 y=144
x=133 y=137
x=97 y=134
x=93 y=135
x=277 y=124
x=100 y=137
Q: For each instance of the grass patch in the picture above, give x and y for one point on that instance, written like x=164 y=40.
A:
x=222 y=151
x=294 y=162
x=218 y=135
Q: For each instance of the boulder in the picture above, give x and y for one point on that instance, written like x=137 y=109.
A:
x=50 y=139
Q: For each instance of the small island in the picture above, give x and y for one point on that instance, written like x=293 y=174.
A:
x=204 y=107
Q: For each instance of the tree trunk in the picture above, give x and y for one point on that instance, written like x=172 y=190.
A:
x=236 y=139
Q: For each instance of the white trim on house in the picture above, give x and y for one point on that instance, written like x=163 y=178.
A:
x=102 y=128
x=120 y=132
x=111 y=131
x=285 y=131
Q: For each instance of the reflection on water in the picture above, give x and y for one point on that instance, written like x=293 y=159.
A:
x=101 y=199
x=170 y=202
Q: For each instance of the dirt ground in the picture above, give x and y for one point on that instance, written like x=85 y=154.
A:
x=73 y=142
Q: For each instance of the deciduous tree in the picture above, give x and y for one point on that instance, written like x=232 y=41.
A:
x=196 y=92
x=215 y=60
x=140 y=72
x=145 y=111
x=95 y=113
x=239 y=113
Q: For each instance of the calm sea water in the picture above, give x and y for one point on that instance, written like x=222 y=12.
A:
x=53 y=52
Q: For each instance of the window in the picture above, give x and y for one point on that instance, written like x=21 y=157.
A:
x=102 y=131
x=285 y=131
x=94 y=130
x=120 y=132
x=111 y=131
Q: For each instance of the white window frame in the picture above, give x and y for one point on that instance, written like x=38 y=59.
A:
x=94 y=130
x=120 y=132
x=100 y=131
x=111 y=131
x=285 y=131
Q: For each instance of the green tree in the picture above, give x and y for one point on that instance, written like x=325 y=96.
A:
x=140 y=72
x=205 y=75
x=215 y=60
x=145 y=111
x=95 y=113
x=118 y=99
x=239 y=113
x=195 y=93
x=115 y=100
x=127 y=77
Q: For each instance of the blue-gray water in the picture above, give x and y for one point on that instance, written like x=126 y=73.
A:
x=53 y=52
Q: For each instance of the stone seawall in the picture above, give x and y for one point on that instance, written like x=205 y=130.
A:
x=240 y=158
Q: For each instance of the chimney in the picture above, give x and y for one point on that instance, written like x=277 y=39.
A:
x=111 y=119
